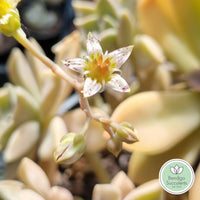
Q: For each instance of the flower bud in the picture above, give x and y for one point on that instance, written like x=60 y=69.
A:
x=70 y=149
x=10 y=22
x=9 y=17
x=126 y=133
x=114 y=146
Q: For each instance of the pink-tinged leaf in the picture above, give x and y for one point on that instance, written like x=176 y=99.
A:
x=118 y=83
x=120 y=56
x=75 y=64
x=91 y=87
x=92 y=45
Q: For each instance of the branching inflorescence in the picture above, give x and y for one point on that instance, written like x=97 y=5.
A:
x=96 y=70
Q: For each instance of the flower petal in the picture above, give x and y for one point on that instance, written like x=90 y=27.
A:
x=120 y=55
x=91 y=87
x=92 y=45
x=118 y=83
x=75 y=64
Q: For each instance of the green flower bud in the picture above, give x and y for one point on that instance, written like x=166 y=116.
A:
x=71 y=148
x=126 y=133
x=114 y=146
x=10 y=23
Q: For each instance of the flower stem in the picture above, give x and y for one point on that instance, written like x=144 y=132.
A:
x=86 y=126
x=21 y=38
x=98 y=168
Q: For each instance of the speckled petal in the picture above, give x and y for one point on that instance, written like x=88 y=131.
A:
x=118 y=83
x=92 y=45
x=91 y=87
x=75 y=64
x=120 y=55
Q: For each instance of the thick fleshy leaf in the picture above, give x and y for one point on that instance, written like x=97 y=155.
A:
x=38 y=67
x=151 y=190
x=194 y=192
x=7 y=105
x=93 y=46
x=88 y=23
x=26 y=107
x=123 y=182
x=118 y=83
x=34 y=177
x=21 y=141
x=109 y=39
x=27 y=194
x=126 y=29
x=143 y=167
x=154 y=22
x=56 y=130
x=22 y=108
x=147 y=52
x=9 y=189
x=53 y=92
x=91 y=87
x=59 y=193
x=120 y=56
x=162 y=119
x=21 y=73
x=107 y=7
x=76 y=64
x=84 y=7
x=106 y=192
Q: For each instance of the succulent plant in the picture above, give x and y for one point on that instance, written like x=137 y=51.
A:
x=32 y=184
x=167 y=119
x=28 y=108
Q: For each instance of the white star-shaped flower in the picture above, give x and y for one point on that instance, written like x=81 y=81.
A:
x=100 y=69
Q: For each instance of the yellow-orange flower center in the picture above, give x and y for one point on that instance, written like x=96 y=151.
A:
x=99 y=69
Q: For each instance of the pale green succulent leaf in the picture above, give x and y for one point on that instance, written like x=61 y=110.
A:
x=21 y=73
x=23 y=107
x=89 y=22
x=38 y=67
x=147 y=52
x=107 y=7
x=34 y=177
x=7 y=127
x=7 y=106
x=53 y=92
x=126 y=28
x=10 y=189
x=141 y=163
x=22 y=140
x=157 y=24
x=106 y=191
x=162 y=119
x=109 y=22
x=26 y=107
x=84 y=7
x=151 y=190
x=109 y=39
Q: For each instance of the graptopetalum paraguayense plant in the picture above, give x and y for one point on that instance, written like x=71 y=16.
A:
x=157 y=115
x=96 y=69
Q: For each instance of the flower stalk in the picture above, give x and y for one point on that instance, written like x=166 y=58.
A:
x=20 y=36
